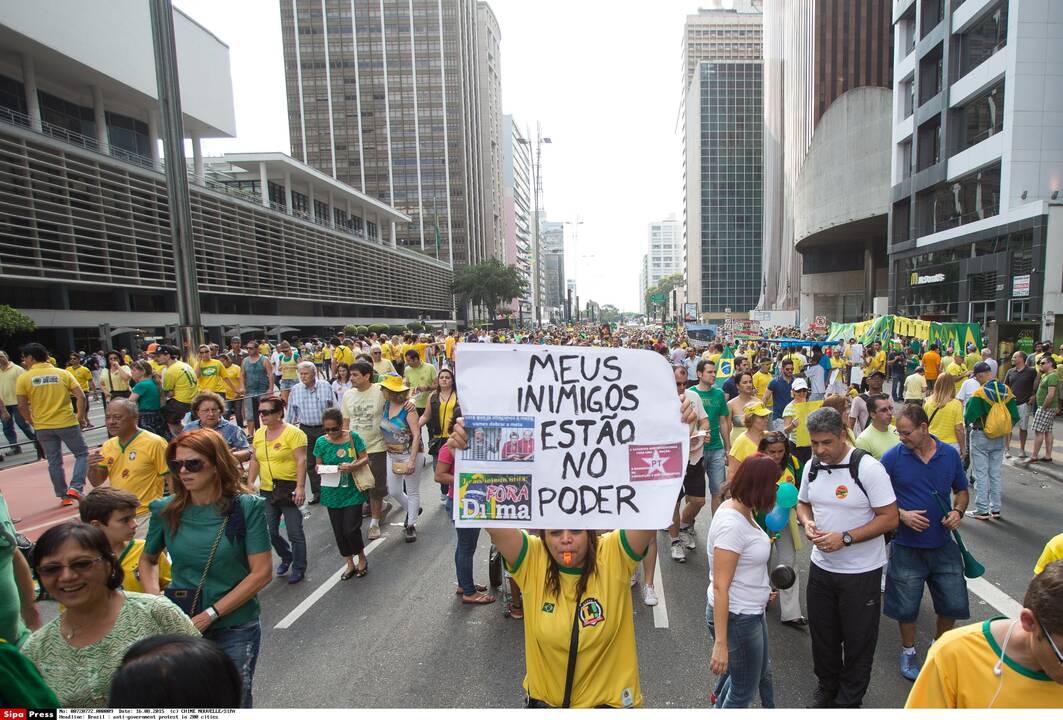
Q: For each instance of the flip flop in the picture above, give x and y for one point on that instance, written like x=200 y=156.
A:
x=459 y=591
x=478 y=598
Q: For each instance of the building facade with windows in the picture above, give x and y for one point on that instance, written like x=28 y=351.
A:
x=722 y=120
x=664 y=252
x=402 y=101
x=517 y=208
x=85 y=245
x=975 y=211
x=552 y=244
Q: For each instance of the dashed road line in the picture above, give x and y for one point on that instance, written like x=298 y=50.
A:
x=995 y=596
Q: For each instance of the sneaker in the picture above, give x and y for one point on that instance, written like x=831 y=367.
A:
x=978 y=514
x=649 y=596
x=909 y=665
x=296 y=577
x=411 y=534
x=678 y=554
x=442 y=499
x=1007 y=454
x=66 y=502
x=282 y=569
x=374 y=532
x=995 y=514
x=72 y=493
x=689 y=538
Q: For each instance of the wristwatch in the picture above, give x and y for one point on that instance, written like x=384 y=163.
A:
x=847 y=539
x=210 y=611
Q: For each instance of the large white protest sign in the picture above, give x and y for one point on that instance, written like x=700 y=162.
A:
x=567 y=437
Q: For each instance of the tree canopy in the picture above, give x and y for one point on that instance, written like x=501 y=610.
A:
x=14 y=322
x=488 y=284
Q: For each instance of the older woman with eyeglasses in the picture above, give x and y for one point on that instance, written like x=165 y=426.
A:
x=208 y=408
x=214 y=529
x=344 y=500
x=79 y=651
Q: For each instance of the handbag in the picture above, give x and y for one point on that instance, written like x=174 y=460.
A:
x=401 y=467
x=187 y=598
x=364 y=479
x=434 y=444
x=283 y=494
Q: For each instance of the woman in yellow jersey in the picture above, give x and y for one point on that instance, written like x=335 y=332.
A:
x=234 y=408
x=114 y=377
x=756 y=422
x=946 y=413
x=287 y=363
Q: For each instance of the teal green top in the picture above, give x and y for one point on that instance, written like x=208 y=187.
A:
x=190 y=546
x=147 y=396
x=347 y=493
x=715 y=402
x=12 y=629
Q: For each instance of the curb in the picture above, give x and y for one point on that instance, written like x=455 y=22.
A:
x=1053 y=471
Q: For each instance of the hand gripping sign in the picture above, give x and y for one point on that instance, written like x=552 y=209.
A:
x=566 y=437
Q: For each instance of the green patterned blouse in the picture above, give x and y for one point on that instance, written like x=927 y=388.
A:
x=81 y=677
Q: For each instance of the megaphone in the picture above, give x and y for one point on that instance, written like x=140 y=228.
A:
x=783 y=577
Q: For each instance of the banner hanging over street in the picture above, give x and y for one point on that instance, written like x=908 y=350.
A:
x=568 y=437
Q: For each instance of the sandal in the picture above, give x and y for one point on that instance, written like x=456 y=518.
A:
x=516 y=612
x=459 y=591
x=349 y=573
x=361 y=573
x=799 y=622
x=478 y=598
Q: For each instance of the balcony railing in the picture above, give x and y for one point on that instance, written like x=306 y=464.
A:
x=958 y=219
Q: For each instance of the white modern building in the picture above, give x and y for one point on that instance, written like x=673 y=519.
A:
x=665 y=254
x=552 y=251
x=85 y=245
x=518 y=214
x=976 y=227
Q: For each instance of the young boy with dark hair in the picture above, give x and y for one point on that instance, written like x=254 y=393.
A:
x=115 y=512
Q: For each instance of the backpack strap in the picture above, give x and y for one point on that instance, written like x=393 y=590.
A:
x=854 y=469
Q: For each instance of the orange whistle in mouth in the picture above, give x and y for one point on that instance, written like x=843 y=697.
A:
x=567 y=557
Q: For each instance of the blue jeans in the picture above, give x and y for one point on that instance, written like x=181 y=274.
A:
x=715 y=462
x=897 y=388
x=71 y=437
x=293 y=524
x=463 y=553
x=9 y=425
x=987 y=458
x=241 y=643
x=748 y=661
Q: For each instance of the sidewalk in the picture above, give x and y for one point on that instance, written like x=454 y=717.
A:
x=31 y=499
x=1053 y=470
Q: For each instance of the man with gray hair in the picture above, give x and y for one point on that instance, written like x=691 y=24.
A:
x=846 y=503
x=132 y=459
x=307 y=402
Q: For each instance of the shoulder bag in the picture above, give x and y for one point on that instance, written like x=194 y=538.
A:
x=283 y=490
x=363 y=476
x=188 y=599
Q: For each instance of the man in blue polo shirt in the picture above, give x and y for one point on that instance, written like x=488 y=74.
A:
x=923 y=552
x=780 y=393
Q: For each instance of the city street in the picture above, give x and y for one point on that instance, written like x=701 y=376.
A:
x=401 y=638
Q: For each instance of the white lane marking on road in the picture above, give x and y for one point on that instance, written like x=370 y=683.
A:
x=53 y=521
x=995 y=596
x=660 y=610
x=309 y=602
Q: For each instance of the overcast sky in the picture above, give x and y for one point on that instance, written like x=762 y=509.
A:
x=603 y=78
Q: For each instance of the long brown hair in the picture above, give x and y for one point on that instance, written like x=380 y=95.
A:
x=210 y=445
x=553 y=570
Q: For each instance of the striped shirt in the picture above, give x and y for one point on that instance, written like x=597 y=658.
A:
x=307 y=405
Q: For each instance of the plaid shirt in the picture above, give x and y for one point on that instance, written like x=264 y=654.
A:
x=306 y=406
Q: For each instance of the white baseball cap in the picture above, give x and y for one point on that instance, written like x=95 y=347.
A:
x=799 y=384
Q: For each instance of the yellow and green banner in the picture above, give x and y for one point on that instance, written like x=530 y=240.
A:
x=948 y=335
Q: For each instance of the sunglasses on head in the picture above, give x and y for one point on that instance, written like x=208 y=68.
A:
x=192 y=465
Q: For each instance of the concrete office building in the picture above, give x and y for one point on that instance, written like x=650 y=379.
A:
x=402 y=101
x=722 y=134
x=827 y=100
x=664 y=252
x=517 y=209
x=84 y=221
x=976 y=227
x=644 y=285
x=552 y=242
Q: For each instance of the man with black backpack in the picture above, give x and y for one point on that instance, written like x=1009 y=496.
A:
x=846 y=504
x=990 y=413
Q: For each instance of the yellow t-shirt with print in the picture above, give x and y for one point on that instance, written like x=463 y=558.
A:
x=83 y=375
x=796 y=358
x=48 y=390
x=1053 y=551
x=130 y=562
x=742 y=447
x=179 y=379
x=878 y=362
x=289 y=366
x=956 y=369
x=138 y=466
x=233 y=373
x=211 y=377
x=277 y=458
x=607 y=672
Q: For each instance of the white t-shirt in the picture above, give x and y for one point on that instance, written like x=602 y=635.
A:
x=967 y=389
x=748 y=594
x=816 y=384
x=838 y=505
x=699 y=408
x=856 y=354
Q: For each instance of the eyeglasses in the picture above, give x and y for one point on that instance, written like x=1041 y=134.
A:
x=79 y=567
x=333 y=430
x=212 y=410
x=1052 y=643
x=192 y=465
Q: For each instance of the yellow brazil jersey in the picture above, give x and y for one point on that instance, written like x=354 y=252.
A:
x=179 y=379
x=877 y=362
x=156 y=367
x=233 y=373
x=289 y=366
x=420 y=348
x=48 y=390
x=264 y=349
x=760 y=382
x=343 y=354
x=958 y=673
x=276 y=458
x=138 y=466
x=796 y=358
x=326 y=352
x=448 y=346
x=1053 y=551
x=83 y=375
x=130 y=560
x=607 y=671
x=956 y=370
x=211 y=377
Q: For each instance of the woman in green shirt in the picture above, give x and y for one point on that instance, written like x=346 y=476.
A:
x=78 y=652
x=212 y=513
x=344 y=501
x=147 y=394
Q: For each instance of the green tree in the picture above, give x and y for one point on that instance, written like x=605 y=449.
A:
x=610 y=313
x=350 y=330
x=663 y=287
x=488 y=284
x=14 y=322
x=378 y=328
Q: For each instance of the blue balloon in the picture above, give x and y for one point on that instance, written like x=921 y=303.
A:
x=786 y=495
x=776 y=520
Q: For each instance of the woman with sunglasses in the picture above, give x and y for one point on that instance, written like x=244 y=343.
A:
x=79 y=651
x=381 y=364
x=279 y=454
x=115 y=377
x=208 y=410
x=402 y=437
x=342 y=382
x=343 y=501
x=775 y=446
x=210 y=513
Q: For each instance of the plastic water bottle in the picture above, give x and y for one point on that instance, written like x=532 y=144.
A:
x=306 y=510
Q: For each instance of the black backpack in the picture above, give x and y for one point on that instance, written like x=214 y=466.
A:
x=854 y=472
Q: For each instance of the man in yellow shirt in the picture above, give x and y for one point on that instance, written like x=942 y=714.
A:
x=340 y=354
x=43 y=393
x=84 y=377
x=133 y=459
x=762 y=377
x=180 y=385
x=211 y=375
x=1002 y=662
x=876 y=359
x=448 y=346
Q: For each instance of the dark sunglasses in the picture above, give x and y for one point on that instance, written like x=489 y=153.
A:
x=192 y=465
x=265 y=411
x=1052 y=643
x=331 y=430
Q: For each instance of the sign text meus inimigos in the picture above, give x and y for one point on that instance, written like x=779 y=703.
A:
x=565 y=437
